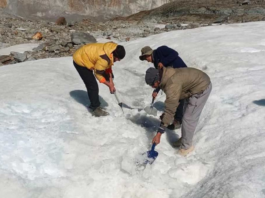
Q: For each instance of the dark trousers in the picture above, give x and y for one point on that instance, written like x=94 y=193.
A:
x=91 y=85
x=179 y=112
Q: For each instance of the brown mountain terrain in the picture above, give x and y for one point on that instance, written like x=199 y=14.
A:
x=61 y=37
x=96 y=9
x=204 y=11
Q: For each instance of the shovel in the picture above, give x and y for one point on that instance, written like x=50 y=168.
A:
x=151 y=110
x=119 y=103
x=151 y=155
x=147 y=157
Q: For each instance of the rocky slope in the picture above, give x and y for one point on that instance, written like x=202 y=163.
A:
x=204 y=11
x=99 y=9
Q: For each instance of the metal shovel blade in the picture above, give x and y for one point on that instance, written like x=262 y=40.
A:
x=151 y=110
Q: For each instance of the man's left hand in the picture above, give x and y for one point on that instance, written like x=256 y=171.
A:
x=160 y=65
x=162 y=116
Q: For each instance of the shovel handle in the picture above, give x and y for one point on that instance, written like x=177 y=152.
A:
x=153 y=100
x=117 y=97
x=119 y=103
x=153 y=147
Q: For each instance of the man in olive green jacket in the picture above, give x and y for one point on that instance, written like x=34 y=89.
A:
x=181 y=83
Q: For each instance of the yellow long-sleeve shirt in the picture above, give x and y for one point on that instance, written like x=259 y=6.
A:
x=97 y=57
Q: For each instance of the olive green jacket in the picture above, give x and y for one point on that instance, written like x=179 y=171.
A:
x=179 y=84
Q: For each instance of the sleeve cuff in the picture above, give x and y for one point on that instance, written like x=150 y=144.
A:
x=102 y=80
x=108 y=71
x=157 y=90
x=161 y=129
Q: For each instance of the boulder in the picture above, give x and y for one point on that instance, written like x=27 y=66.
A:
x=3 y=3
x=5 y=58
x=37 y=36
x=246 y=2
x=78 y=38
x=61 y=21
x=40 y=47
x=19 y=57
x=221 y=19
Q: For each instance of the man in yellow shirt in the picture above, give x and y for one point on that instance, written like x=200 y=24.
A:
x=96 y=60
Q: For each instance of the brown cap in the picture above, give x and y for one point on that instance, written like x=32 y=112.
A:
x=147 y=50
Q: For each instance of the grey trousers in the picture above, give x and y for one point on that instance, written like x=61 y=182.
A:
x=192 y=111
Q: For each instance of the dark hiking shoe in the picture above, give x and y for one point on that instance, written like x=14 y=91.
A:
x=98 y=112
x=175 y=125
x=177 y=143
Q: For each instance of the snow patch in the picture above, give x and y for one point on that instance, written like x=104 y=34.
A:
x=18 y=48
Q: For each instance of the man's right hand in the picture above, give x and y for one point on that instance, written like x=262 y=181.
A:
x=111 y=86
x=112 y=89
x=157 y=138
x=111 y=83
x=154 y=94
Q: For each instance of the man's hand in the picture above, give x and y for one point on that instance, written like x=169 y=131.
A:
x=154 y=94
x=160 y=65
x=112 y=88
x=156 y=139
x=162 y=116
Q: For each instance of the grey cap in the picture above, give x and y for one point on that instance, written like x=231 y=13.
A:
x=151 y=76
x=147 y=50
